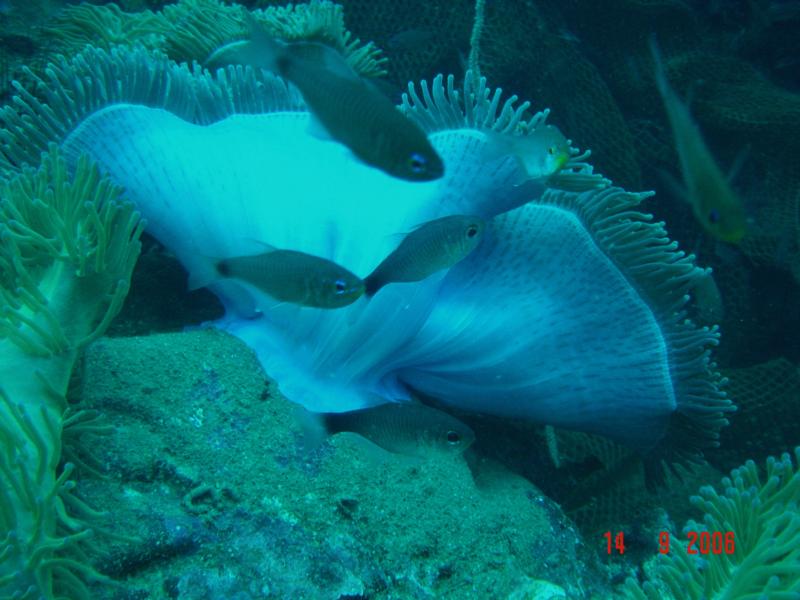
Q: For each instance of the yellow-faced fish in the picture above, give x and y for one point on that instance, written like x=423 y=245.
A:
x=433 y=246
x=403 y=428
x=350 y=110
x=713 y=201
x=295 y=277
x=539 y=153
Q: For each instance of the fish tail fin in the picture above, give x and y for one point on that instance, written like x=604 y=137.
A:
x=265 y=51
x=205 y=272
x=313 y=426
x=260 y=51
x=371 y=286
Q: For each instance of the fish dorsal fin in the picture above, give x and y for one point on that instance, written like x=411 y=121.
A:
x=262 y=49
x=262 y=245
x=257 y=32
x=322 y=55
x=736 y=166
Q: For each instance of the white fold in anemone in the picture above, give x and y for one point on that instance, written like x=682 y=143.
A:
x=570 y=312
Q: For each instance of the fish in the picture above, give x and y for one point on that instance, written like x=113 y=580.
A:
x=344 y=106
x=407 y=428
x=433 y=246
x=714 y=204
x=708 y=299
x=291 y=276
x=411 y=40
x=540 y=153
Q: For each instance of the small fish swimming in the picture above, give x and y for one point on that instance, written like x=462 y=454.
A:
x=539 y=153
x=415 y=39
x=406 y=428
x=708 y=300
x=348 y=109
x=714 y=203
x=293 y=277
x=433 y=246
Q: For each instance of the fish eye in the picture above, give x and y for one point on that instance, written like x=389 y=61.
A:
x=453 y=437
x=551 y=151
x=713 y=216
x=472 y=231
x=340 y=286
x=417 y=162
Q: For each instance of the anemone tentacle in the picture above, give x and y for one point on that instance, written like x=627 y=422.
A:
x=69 y=247
x=203 y=27
x=73 y=89
x=663 y=276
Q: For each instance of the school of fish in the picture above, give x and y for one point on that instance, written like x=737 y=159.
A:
x=353 y=112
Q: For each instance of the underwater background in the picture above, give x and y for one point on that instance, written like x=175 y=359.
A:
x=148 y=454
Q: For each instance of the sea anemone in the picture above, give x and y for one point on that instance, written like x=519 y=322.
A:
x=68 y=249
x=571 y=312
x=195 y=29
x=757 y=556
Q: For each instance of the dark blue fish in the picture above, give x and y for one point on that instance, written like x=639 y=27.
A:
x=349 y=109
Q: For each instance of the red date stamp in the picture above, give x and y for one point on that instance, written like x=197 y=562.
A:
x=702 y=542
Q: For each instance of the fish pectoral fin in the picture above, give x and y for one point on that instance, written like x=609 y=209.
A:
x=269 y=303
x=497 y=146
x=203 y=274
x=500 y=148
x=521 y=175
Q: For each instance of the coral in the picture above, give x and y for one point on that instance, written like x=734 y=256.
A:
x=761 y=512
x=68 y=248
